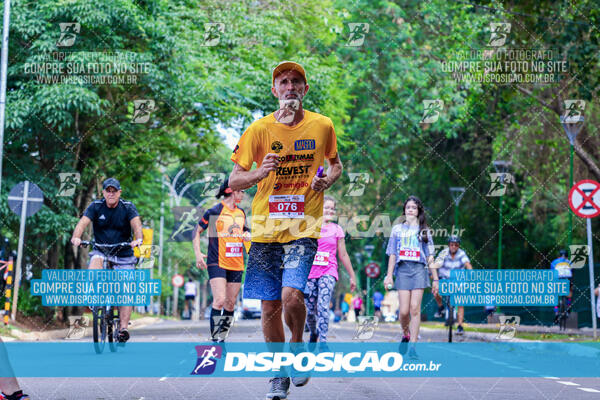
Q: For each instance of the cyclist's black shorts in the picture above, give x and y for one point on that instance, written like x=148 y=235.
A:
x=190 y=297
x=214 y=271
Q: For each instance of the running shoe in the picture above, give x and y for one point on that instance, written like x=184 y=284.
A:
x=404 y=344
x=123 y=336
x=302 y=380
x=412 y=354
x=460 y=330
x=280 y=387
x=18 y=395
x=312 y=341
x=323 y=348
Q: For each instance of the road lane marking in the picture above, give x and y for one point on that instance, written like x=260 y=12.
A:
x=568 y=383
x=589 y=390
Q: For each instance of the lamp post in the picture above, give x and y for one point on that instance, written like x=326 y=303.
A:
x=457 y=193
x=572 y=125
x=502 y=168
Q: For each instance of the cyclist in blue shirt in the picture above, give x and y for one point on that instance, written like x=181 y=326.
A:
x=563 y=266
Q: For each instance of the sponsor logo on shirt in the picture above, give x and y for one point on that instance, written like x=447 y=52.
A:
x=304 y=144
x=102 y=217
x=296 y=185
x=237 y=146
x=276 y=146
x=296 y=170
x=296 y=157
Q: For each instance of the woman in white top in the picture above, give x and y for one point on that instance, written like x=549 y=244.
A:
x=411 y=250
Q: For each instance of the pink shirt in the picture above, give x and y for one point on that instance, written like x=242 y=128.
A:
x=325 y=262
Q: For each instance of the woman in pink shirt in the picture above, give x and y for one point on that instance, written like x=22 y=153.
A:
x=324 y=273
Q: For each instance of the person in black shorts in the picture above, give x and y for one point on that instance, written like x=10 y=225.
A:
x=227 y=231
x=113 y=221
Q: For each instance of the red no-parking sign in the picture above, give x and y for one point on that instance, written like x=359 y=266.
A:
x=372 y=270
x=584 y=198
x=177 y=280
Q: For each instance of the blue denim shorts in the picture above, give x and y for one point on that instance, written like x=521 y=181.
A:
x=272 y=266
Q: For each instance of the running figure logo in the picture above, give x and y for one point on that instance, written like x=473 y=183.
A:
x=68 y=183
x=187 y=218
x=222 y=327
x=440 y=252
x=508 y=326
x=499 y=183
x=431 y=110
x=579 y=254
x=68 y=34
x=212 y=33
x=213 y=182
x=573 y=111
x=358 y=183
x=358 y=33
x=77 y=325
x=142 y=110
x=500 y=31
x=291 y=258
x=148 y=253
x=365 y=328
x=207 y=359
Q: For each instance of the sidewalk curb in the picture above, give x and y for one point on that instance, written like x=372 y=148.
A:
x=60 y=334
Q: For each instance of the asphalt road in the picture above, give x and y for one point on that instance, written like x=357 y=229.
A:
x=318 y=388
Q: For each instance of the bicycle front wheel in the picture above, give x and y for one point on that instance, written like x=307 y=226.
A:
x=99 y=329
x=113 y=328
x=563 y=314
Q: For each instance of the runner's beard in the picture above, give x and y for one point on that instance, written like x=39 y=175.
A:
x=288 y=108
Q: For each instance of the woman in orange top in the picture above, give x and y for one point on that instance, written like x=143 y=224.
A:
x=227 y=231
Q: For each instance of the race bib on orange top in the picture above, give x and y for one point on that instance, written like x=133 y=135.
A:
x=233 y=249
x=321 y=258
x=226 y=228
x=285 y=208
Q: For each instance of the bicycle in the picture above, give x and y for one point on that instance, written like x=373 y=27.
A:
x=563 y=313
x=106 y=319
x=450 y=316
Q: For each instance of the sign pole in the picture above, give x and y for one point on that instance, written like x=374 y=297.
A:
x=175 y=299
x=584 y=200
x=591 y=265
x=13 y=314
x=368 y=299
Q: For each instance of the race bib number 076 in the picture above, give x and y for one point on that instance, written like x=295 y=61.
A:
x=286 y=206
